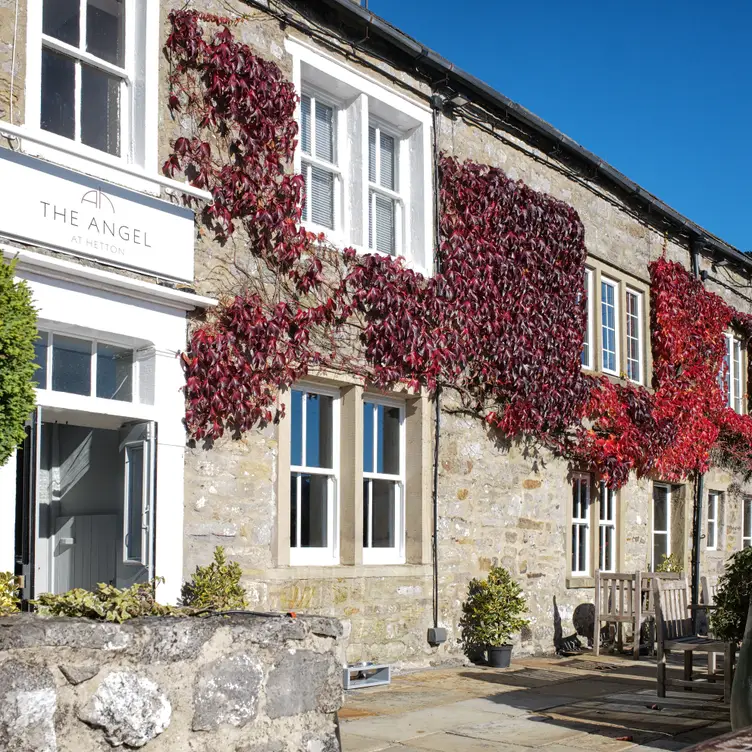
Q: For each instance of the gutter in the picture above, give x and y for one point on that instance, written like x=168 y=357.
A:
x=468 y=84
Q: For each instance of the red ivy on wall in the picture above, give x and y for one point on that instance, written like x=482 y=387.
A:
x=502 y=324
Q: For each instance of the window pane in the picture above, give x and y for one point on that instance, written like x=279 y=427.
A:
x=366 y=511
x=384 y=224
x=372 y=154
x=608 y=316
x=388 y=457
x=135 y=461
x=737 y=376
x=305 y=124
x=71 y=365
x=388 y=166
x=711 y=534
x=100 y=110
x=634 y=354
x=576 y=498
x=321 y=191
x=40 y=359
x=660 y=508
x=314 y=511
x=319 y=430
x=383 y=510
x=325 y=145
x=660 y=548
x=114 y=373
x=586 y=342
x=368 y=411
x=105 y=30
x=747 y=518
x=60 y=20
x=582 y=530
x=58 y=94
x=294 y=510
x=575 y=557
x=296 y=429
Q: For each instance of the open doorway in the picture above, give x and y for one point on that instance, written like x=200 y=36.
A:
x=86 y=502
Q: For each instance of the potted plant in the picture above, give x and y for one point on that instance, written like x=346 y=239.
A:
x=491 y=614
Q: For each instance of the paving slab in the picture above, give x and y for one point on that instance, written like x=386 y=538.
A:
x=515 y=703
x=357 y=743
x=448 y=742
x=532 y=731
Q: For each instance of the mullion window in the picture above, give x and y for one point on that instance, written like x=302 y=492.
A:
x=581 y=524
x=319 y=164
x=609 y=326
x=634 y=336
x=84 y=94
x=661 y=523
x=384 y=201
x=607 y=530
x=711 y=541
x=587 y=347
x=383 y=481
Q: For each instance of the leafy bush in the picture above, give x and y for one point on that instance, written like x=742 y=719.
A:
x=9 y=600
x=106 y=603
x=492 y=611
x=670 y=564
x=18 y=331
x=215 y=587
x=727 y=619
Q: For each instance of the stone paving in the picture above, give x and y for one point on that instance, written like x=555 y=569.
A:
x=556 y=705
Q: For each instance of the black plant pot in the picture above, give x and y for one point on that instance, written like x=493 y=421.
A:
x=499 y=657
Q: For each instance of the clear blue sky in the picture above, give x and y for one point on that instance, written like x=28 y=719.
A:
x=661 y=89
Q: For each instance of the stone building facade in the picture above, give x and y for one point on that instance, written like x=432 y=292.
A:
x=496 y=503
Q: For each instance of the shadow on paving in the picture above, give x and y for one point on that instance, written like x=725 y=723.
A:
x=560 y=706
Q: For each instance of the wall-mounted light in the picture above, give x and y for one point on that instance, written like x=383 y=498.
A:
x=458 y=100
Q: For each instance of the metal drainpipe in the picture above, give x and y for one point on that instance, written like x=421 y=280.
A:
x=699 y=490
x=437 y=104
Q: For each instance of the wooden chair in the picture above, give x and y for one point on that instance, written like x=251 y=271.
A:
x=617 y=601
x=675 y=631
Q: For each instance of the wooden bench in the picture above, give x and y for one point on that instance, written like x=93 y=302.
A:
x=617 y=601
x=675 y=632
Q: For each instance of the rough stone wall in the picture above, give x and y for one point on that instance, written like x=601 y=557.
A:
x=12 y=59
x=250 y=683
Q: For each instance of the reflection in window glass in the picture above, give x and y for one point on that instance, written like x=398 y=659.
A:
x=58 y=111
x=608 y=325
x=135 y=500
x=100 y=110
x=71 y=365
x=661 y=523
x=60 y=20
x=105 y=30
x=309 y=510
x=114 y=373
x=40 y=359
x=318 y=440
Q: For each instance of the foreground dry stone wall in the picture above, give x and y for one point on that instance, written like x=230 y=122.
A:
x=241 y=683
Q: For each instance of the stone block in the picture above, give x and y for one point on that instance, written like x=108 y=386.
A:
x=176 y=639
x=266 y=631
x=317 y=680
x=27 y=708
x=130 y=708
x=227 y=693
x=79 y=673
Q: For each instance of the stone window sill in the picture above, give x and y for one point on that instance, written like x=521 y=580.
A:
x=580 y=582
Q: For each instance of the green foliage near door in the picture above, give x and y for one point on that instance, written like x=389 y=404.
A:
x=9 y=600
x=215 y=587
x=18 y=331
x=670 y=564
x=493 y=611
x=732 y=598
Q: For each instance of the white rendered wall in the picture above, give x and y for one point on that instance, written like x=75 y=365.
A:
x=7 y=514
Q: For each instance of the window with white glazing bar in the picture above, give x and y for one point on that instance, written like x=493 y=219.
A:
x=383 y=481
x=634 y=336
x=318 y=141
x=609 y=326
x=580 y=564
x=385 y=204
x=746 y=522
x=661 y=523
x=587 y=346
x=607 y=529
x=711 y=537
x=314 y=448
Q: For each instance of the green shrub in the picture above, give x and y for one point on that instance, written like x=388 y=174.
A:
x=106 y=603
x=9 y=600
x=670 y=564
x=215 y=587
x=727 y=619
x=492 y=611
x=18 y=330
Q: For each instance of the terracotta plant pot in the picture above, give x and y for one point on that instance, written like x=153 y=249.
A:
x=500 y=657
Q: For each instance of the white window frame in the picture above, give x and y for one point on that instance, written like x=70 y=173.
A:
x=589 y=363
x=417 y=212
x=394 y=555
x=607 y=520
x=667 y=531
x=329 y=555
x=615 y=286
x=335 y=168
x=746 y=521
x=94 y=343
x=393 y=195
x=582 y=521
x=142 y=120
x=638 y=326
x=733 y=380
x=711 y=521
